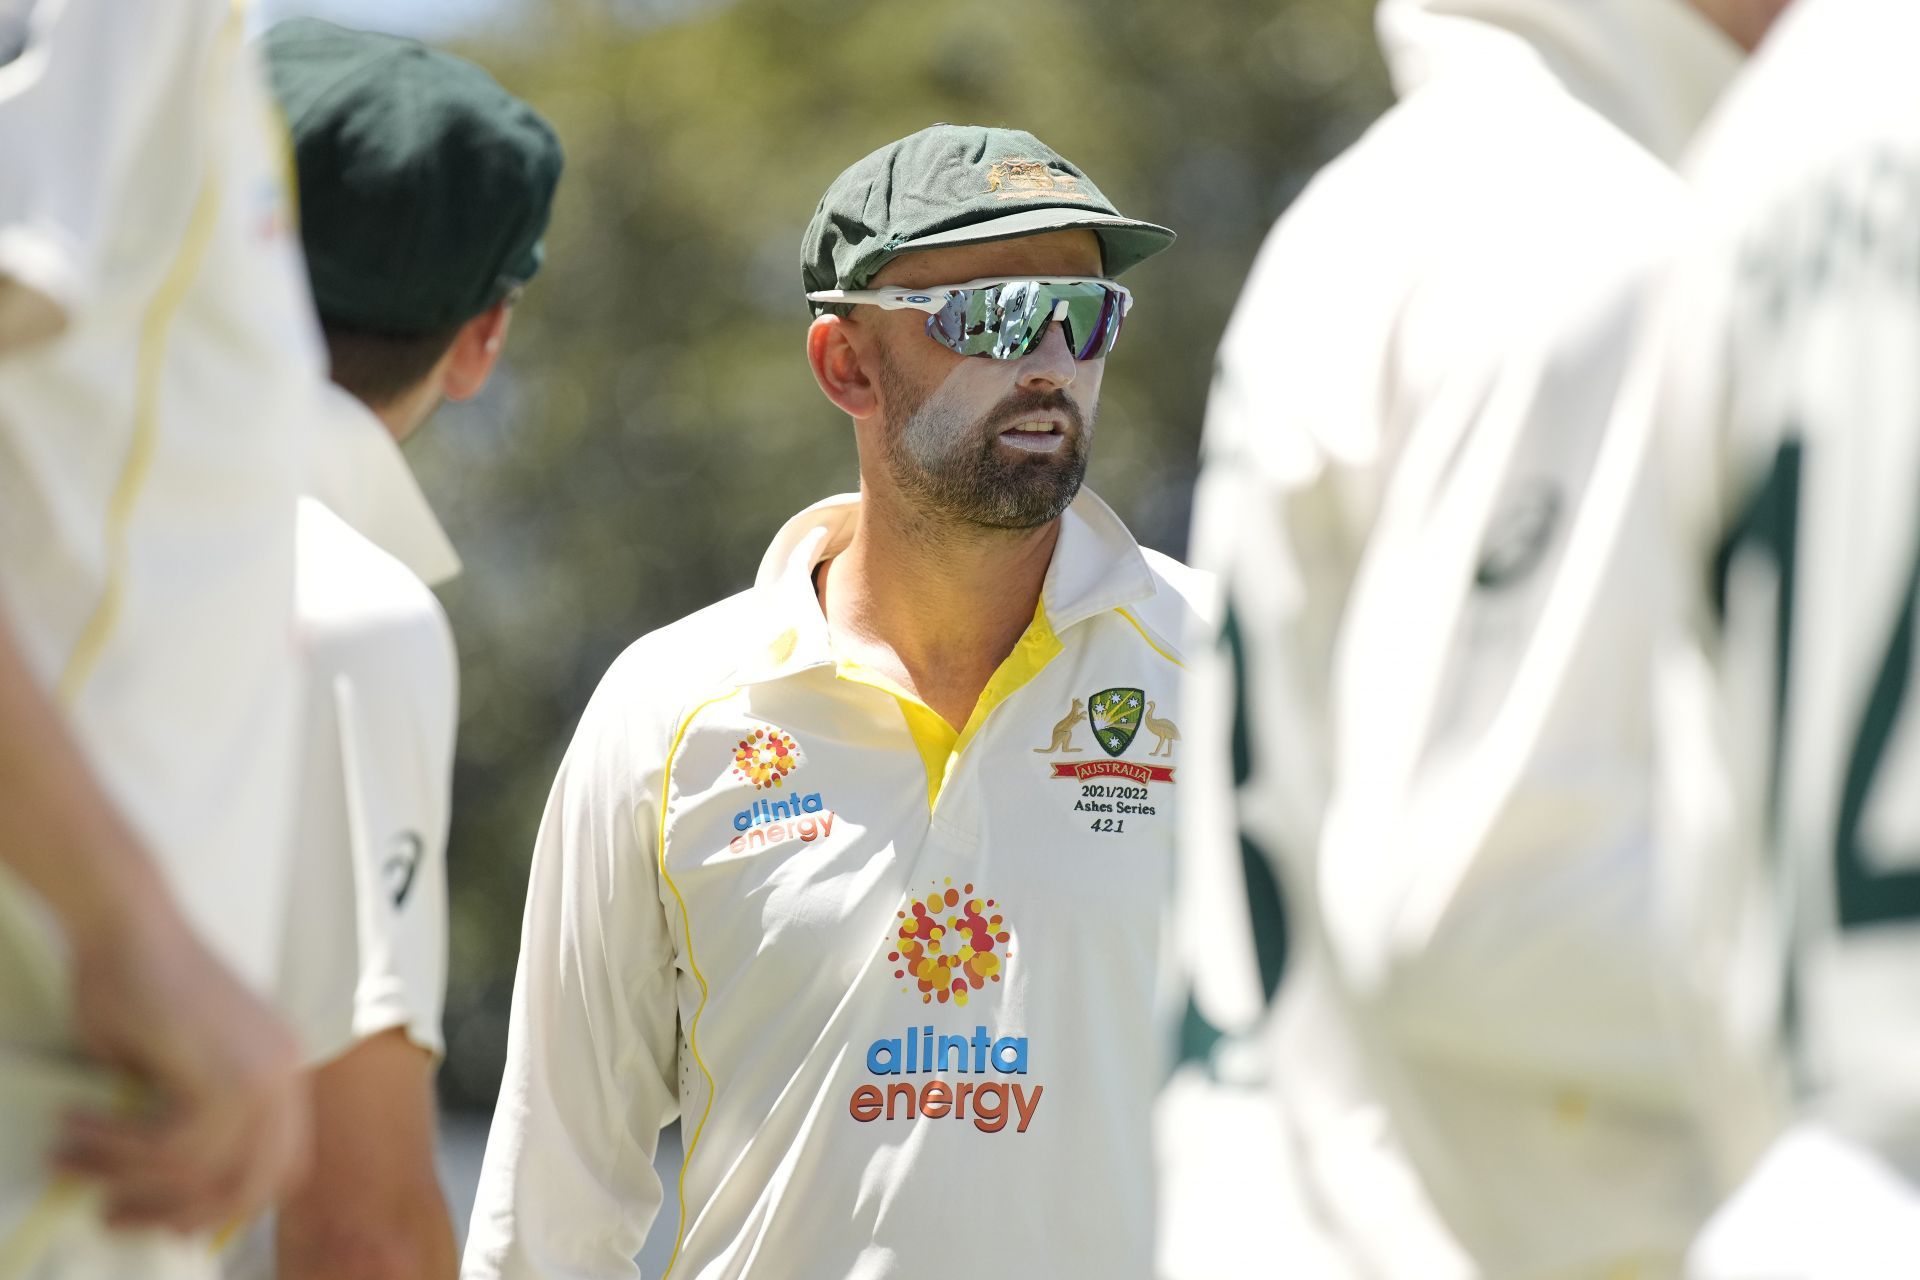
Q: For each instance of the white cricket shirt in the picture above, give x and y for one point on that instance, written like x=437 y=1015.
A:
x=896 y=982
x=1784 y=398
x=364 y=947
x=1445 y=695
x=158 y=364
x=366 y=939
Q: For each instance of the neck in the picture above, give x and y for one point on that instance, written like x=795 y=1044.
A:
x=935 y=607
x=1744 y=21
x=406 y=413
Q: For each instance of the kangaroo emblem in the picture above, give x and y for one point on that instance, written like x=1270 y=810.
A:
x=1163 y=729
x=1063 y=731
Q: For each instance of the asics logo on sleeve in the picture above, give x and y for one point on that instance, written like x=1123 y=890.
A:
x=403 y=863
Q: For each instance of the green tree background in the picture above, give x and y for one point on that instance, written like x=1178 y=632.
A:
x=655 y=421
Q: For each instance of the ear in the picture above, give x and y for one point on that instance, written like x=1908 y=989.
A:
x=834 y=351
x=474 y=352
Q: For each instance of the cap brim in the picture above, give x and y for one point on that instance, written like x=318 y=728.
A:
x=1124 y=242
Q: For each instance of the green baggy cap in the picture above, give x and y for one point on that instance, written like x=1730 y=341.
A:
x=424 y=186
x=959 y=184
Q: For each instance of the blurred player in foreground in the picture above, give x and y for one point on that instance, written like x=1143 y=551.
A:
x=1443 y=702
x=157 y=365
x=1781 y=389
x=424 y=192
x=861 y=871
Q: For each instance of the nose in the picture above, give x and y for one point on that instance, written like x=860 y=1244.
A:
x=1049 y=366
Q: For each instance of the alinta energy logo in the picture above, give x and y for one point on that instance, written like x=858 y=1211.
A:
x=948 y=944
x=766 y=758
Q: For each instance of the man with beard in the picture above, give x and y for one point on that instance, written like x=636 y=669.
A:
x=860 y=872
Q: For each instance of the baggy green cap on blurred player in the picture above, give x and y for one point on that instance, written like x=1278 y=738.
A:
x=424 y=186
x=959 y=184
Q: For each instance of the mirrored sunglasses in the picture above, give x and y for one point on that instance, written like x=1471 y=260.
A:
x=1006 y=318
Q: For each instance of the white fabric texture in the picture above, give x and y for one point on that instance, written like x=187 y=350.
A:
x=159 y=364
x=365 y=947
x=1429 y=556
x=1818 y=1207
x=750 y=976
x=1778 y=383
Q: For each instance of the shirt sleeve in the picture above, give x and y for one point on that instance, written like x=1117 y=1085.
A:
x=567 y=1189
x=1274 y=525
x=396 y=757
x=74 y=109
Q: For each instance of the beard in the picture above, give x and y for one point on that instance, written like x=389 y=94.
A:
x=955 y=470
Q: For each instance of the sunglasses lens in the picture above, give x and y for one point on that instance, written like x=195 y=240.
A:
x=1006 y=321
x=995 y=322
x=1093 y=319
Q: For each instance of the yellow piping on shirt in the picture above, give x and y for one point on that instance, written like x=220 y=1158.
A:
x=30 y=1239
x=1037 y=647
x=150 y=371
x=686 y=930
x=1145 y=635
x=44 y=1223
x=932 y=736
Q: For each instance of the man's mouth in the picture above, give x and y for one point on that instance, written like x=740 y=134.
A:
x=1042 y=435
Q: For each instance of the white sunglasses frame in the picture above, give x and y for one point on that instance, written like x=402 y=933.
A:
x=934 y=297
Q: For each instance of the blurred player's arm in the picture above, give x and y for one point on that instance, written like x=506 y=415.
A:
x=73 y=107
x=1272 y=524
x=372 y=1207
x=226 y=1130
x=568 y=1187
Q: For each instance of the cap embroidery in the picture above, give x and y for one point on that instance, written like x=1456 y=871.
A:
x=1017 y=179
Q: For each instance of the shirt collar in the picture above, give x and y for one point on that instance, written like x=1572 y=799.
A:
x=356 y=468
x=1096 y=566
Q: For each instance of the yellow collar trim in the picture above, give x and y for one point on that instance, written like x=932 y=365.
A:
x=939 y=743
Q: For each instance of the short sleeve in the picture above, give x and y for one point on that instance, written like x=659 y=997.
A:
x=396 y=756
x=364 y=949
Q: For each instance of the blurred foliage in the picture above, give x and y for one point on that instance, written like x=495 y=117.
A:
x=655 y=421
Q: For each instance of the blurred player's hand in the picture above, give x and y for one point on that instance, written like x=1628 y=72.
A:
x=219 y=1126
